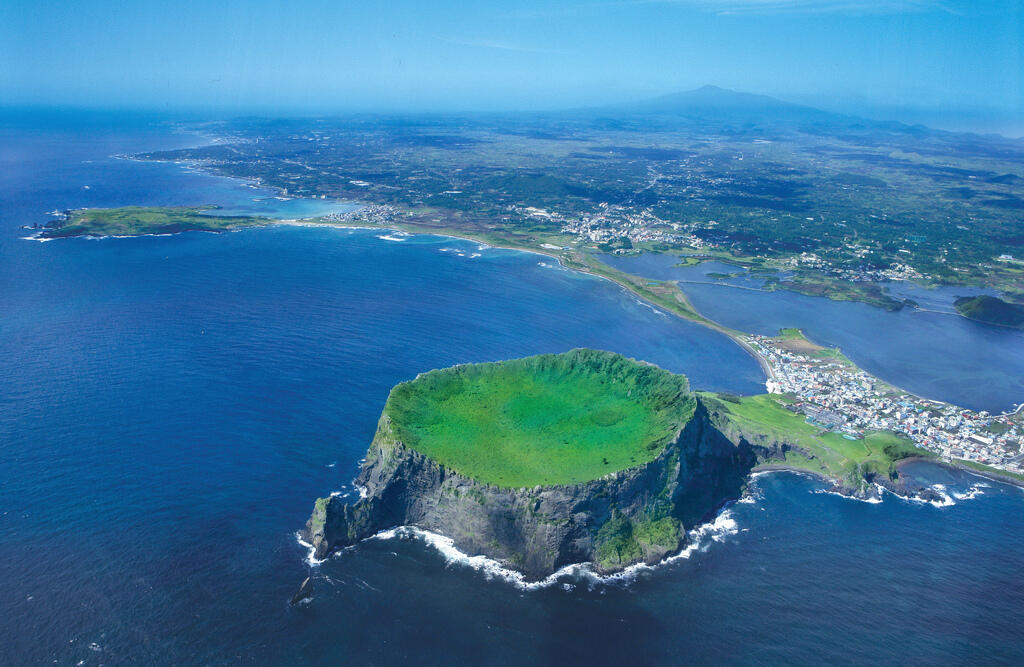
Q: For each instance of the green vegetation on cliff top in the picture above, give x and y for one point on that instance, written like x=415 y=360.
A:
x=542 y=420
x=764 y=418
x=989 y=470
x=136 y=220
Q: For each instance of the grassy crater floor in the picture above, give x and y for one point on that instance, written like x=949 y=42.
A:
x=548 y=419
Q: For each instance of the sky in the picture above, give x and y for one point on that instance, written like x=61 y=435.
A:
x=931 y=57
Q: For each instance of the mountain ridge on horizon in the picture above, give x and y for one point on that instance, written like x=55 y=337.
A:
x=723 y=105
x=715 y=102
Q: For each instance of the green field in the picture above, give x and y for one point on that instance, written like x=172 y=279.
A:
x=761 y=418
x=991 y=310
x=136 y=220
x=548 y=419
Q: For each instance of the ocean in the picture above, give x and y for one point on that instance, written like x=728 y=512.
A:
x=170 y=407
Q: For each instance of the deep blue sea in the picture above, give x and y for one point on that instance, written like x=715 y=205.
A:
x=171 y=406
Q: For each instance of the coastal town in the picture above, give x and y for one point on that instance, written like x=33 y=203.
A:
x=373 y=214
x=836 y=395
x=831 y=391
x=619 y=229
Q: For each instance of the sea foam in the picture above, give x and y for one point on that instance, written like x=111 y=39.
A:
x=698 y=541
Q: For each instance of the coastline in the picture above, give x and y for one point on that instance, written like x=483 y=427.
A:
x=765 y=468
x=990 y=474
x=212 y=554
x=413 y=229
x=993 y=475
x=684 y=309
x=409 y=228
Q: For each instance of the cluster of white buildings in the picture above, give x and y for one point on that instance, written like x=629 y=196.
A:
x=372 y=214
x=896 y=270
x=615 y=222
x=837 y=395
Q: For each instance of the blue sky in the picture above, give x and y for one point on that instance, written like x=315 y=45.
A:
x=934 y=56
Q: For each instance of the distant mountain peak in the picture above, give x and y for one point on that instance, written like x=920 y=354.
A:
x=716 y=98
x=714 y=104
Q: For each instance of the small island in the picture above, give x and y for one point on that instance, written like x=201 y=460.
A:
x=580 y=457
x=991 y=310
x=141 y=220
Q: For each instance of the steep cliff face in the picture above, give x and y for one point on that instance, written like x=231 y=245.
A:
x=863 y=482
x=637 y=514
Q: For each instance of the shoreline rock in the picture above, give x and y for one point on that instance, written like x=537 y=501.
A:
x=639 y=514
x=304 y=593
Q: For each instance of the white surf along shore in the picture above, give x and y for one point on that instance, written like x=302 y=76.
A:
x=698 y=540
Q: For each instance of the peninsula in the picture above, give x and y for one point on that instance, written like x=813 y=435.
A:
x=855 y=403
x=580 y=457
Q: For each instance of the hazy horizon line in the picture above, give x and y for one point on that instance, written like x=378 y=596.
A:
x=978 y=120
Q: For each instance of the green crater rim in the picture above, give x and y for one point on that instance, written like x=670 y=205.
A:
x=546 y=420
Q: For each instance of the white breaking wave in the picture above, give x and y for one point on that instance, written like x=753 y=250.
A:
x=946 y=501
x=753 y=493
x=789 y=471
x=698 y=541
x=870 y=501
x=817 y=478
x=392 y=237
x=311 y=560
x=647 y=305
x=947 y=498
x=972 y=493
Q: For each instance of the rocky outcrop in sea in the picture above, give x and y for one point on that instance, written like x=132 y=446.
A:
x=639 y=514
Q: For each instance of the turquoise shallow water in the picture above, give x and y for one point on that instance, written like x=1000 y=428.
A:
x=172 y=405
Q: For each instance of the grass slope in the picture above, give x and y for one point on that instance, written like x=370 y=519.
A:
x=991 y=310
x=821 y=452
x=989 y=470
x=548 y=419
x=136 y=220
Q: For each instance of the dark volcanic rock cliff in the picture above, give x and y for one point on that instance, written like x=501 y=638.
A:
x=637 y=514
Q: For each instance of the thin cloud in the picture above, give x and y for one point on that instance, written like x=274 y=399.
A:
x=497 y=45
